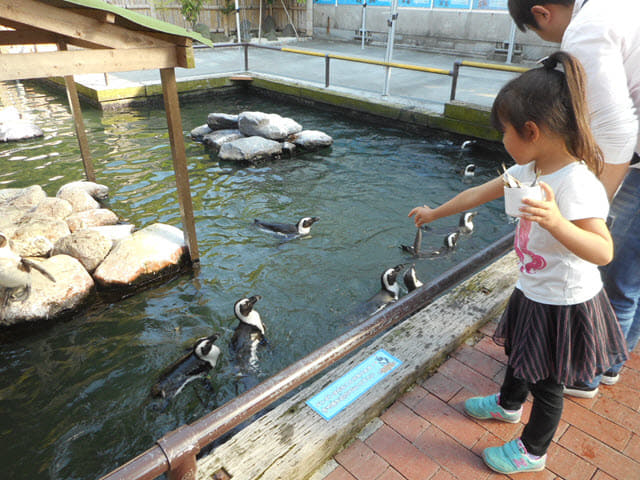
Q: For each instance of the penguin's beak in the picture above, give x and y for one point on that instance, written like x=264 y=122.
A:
x=253 y=300
x=314 y=219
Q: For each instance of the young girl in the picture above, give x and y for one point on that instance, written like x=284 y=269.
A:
x=558 y=327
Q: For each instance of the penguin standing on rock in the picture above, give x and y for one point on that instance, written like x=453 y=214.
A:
x=192 y=366
x=15 y=274
x=289 y=230
x=248 y=335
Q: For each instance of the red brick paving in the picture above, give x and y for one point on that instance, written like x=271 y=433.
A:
x=426 y=435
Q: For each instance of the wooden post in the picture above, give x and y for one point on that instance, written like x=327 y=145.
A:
x=76 y=112
x=178 y=152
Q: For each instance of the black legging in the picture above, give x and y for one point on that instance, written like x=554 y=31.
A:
x=546 y=412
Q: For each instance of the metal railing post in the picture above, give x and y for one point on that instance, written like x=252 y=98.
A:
x=327 y=59
x=454 y=79
x=246 y=57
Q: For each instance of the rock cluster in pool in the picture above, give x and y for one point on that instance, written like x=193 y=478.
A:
x=80 y=244
x=257 y=136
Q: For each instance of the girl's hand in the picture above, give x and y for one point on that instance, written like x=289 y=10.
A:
x=544 y=212
x=422 y=215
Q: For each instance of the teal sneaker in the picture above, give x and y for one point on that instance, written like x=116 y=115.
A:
x=487 y=407
x=512 y=458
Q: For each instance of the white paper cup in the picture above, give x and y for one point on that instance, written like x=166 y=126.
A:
x=513 y=198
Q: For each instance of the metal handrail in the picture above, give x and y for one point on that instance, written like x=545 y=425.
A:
x=487 y=66
x=176 y=451
x=329 y=56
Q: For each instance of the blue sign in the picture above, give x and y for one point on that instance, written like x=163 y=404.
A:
x=451 y=4
x=490 y=5
x=345 y=390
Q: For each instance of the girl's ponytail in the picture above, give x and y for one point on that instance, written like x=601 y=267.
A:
x=581 y=144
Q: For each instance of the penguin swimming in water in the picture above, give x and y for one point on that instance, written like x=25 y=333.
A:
x=450 y=241
x=469 y=171
x=388 y=293
x=15 y=274
x=290 y=230
x=411 y=279
x=465 y=224
x=248 y=335
x=192 y=366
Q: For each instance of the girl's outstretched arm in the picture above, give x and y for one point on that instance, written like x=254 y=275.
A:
x=588 y=238
x=466 y=200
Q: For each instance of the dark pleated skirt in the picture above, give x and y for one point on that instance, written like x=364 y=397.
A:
x=565 y=343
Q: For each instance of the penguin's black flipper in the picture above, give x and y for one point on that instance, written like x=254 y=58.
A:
x=36 y=266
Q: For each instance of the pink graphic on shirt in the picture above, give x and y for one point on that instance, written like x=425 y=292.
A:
x=522 y=242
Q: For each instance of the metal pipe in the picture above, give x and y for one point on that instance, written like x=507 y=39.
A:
x=190 y=439
x=246 y=57
x=454 y=79
x=327 y=73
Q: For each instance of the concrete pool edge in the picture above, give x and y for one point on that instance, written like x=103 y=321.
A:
x=458 y=117
x=293 y=441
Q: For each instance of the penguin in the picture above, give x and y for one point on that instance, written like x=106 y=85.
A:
x=192 y=366
x=303 y=227
x=248 y=335
x=411 y=279
x=15 y=274
x=468 y=144
x=388 y=293
x=469 y=171
x=450 y=241
x=466 y=226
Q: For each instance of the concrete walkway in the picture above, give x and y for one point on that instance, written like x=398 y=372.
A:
x=430 y=90
x=425 y=434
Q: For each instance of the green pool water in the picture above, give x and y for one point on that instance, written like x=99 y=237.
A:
x=74 y=394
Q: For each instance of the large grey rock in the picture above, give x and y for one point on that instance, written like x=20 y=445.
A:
x=311 y=139
x=91 y=218
x=79 y=199
x=9 y=219
x=89 y=247
x=198 y=133
x=48 y=299
x=14 y=128
x=288 y=31
x=52 y=207
x=114 y=233
x=146 y=255
x=22 y=198
x=29 y=231
x=96 y=190
x=250 y=149
x=268 y=25
x=220 y=121
x=219 y=137
x=268 y=125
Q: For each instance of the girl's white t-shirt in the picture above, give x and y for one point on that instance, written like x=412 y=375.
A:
x=549 y=272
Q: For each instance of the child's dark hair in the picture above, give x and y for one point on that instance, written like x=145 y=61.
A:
x=554 y=100
x=520 y=11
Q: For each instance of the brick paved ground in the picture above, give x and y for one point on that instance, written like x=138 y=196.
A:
x=425 y=434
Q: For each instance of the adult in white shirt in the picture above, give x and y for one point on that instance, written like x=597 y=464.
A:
x=605 y=36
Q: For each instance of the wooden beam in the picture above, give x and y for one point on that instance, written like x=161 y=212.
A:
x=81 y=134
x=179 y=154
x=22 y=66
x=27 y=37
x=32 y=13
